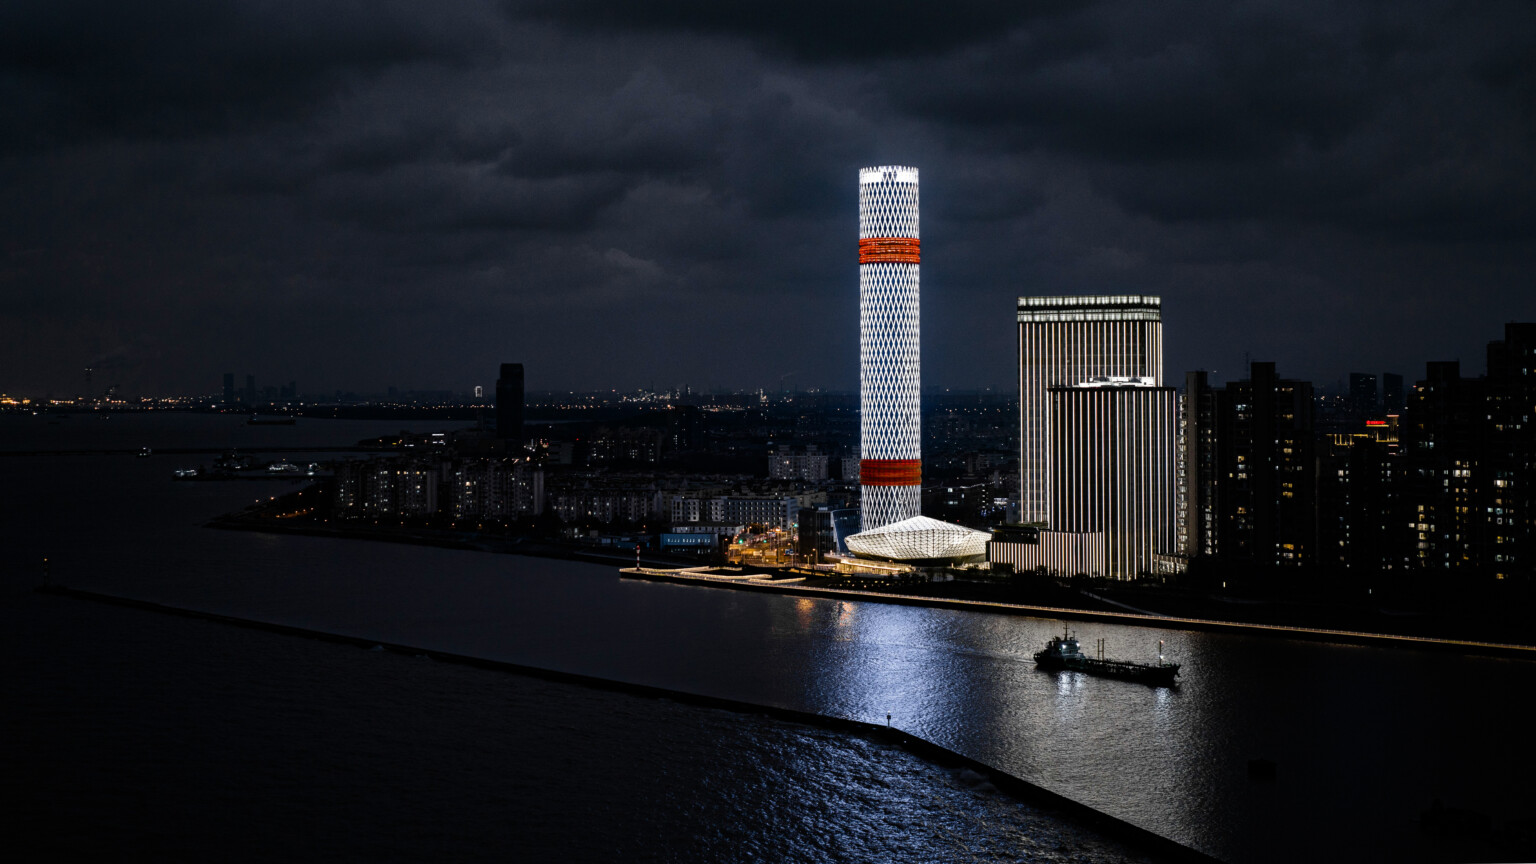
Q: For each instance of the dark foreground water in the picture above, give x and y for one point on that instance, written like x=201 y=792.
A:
x=130 y=735
x=1364 y=738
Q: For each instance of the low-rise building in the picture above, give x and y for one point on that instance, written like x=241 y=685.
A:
x=790 y=462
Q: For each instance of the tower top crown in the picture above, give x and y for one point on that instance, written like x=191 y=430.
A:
x=887 y=173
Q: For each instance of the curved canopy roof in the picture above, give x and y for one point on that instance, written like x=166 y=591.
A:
x=919 y=539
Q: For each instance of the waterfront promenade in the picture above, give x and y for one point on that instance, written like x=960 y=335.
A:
x=715 y=577
x=1084 y=606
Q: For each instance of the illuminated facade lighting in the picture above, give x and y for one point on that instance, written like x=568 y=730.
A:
x=890 y=433
x=1112 y=472
x=1108 y=340
x=920 y=539
x=1056 y=552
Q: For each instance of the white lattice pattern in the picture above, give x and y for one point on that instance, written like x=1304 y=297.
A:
x=889 y=357
x=884 y=505
x=889 y=345
x=919 y=539
x=888 y=202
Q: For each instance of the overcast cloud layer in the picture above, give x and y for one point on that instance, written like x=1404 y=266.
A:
x=617 y=194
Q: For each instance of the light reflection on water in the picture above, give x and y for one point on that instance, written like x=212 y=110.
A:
x=1364 y=738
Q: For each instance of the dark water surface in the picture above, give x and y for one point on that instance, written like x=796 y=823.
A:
x=141 y=736
x=1364 y=738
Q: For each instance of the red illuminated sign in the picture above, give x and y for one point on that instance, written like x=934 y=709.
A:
x=900 y=250
x=890 y=472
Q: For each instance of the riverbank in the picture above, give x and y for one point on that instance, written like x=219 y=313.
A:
x=353 y=745
x=1159 y=607
x=803 y=588
x=976 y=772
x=464 y=540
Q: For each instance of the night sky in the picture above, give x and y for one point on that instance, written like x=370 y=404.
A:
x=633 y=194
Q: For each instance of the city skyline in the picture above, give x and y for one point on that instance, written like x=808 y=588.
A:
x=358 y=198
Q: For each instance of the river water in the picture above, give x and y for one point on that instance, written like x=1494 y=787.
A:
x=1364 y=738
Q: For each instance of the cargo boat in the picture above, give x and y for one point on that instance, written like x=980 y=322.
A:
x=1063 y=652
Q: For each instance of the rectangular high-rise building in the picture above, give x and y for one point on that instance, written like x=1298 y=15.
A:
x=1363 y=399
x=1067 y=341
x=1392 y=400
x=509 y=402
x=1112 y=447
x=1199 y=460
x=1264 y=473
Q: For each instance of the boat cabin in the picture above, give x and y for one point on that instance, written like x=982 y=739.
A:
x=1062 y=646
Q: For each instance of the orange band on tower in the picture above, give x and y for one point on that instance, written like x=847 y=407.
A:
x=900 y=250
x=890 y=472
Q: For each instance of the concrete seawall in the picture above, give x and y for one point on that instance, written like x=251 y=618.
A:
x=1016 y=787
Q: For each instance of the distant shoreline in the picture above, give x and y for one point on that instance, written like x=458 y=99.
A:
x=497 y=545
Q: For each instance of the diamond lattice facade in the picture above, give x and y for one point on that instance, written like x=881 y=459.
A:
x=890 y=435
x=919 y=539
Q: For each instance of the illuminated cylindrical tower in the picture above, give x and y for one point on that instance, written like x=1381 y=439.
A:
x=890 y=433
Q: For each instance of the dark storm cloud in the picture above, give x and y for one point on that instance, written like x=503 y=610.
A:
x=828 y=31
x=623 y=193
x=78 y=69
x=455 y=199
x=1151 y=103
x=1245 y=111
x=645 y=126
